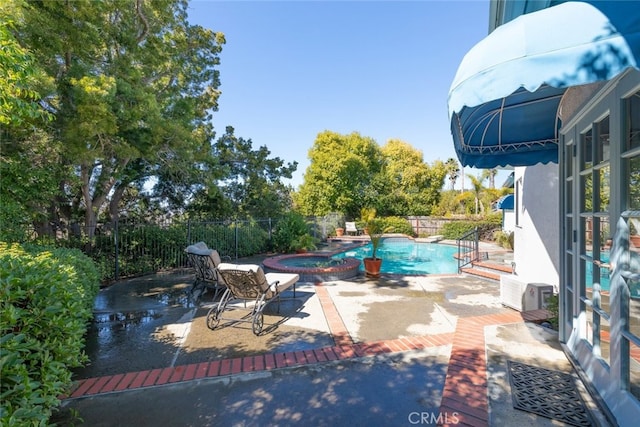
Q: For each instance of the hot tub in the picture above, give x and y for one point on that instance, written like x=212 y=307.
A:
x=314 y=267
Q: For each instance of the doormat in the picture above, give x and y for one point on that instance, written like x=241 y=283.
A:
x=551 y=394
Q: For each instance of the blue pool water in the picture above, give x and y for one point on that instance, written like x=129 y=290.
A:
x=603 y=280
x=405 y=256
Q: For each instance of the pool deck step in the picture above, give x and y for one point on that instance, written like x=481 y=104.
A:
x=487 y=270
x=492 y=266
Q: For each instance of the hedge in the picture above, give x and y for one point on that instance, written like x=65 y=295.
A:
x=455 y=229
x=46 y=301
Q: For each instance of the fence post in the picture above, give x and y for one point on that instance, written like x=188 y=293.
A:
x=116 y=272
x=476 y=243
x=236 y=237
x=189 y=231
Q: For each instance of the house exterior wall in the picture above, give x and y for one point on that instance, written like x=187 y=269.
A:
x=536 y=247
x=508 y=220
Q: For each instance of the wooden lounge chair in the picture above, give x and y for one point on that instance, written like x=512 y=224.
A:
x=205 y=262
x=248 y=283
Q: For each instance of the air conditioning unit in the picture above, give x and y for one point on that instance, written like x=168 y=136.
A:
x=523 y=296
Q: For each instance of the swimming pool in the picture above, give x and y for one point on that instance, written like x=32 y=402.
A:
x=406 y=256
x=605 y=275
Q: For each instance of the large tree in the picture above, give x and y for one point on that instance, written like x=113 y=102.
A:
x=250 y=186
x=135 y=85
x=413 y=187
x=341 y=175
x=351 y=172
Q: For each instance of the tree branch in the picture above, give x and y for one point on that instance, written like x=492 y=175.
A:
x=143 y=19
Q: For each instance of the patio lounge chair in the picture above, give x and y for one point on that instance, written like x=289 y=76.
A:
x=350 y=227
x=246 y=283
x=205 y=262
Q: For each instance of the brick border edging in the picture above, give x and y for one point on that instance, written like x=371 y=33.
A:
x=247 y=364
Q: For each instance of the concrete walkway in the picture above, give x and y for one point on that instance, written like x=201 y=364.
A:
x=397 y=351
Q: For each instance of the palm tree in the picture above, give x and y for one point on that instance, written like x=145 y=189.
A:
x=491 y=174
x=477 y=188
x=453 y=171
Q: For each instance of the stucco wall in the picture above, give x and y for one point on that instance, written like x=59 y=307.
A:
x=508 y=220
x=536 y=242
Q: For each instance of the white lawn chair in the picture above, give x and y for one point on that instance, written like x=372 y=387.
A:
x=350 y=227
x=248 y=283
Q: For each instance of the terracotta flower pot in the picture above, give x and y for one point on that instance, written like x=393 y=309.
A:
x=372 y=267
x=339 y=231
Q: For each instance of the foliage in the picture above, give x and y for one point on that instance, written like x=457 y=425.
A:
x=340 y=175
x=12 y=215
x=349 y=172
x=251 y=239
x=132 y=87
x=149 y=248
x=396 y=224
x=20 y=76
x=504 y=239
x=411 y=187
x=554 y=311
x=455 y=229
x=252 y=186
x=305 y=242
x=453 y=171
x=46 y=300
x=331 y=221
x=375 y=228
x=490 y=174
x=30 y=174
x=450 y=204
x=477 y=190
x=289 y=231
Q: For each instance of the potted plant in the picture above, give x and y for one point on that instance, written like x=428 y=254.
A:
x=303 y=243
x=375 y=229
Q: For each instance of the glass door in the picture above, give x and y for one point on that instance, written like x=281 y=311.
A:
x=600 y=243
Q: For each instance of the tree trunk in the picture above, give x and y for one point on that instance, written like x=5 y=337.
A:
x=114 y=203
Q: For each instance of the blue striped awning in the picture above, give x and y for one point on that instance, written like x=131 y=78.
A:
x=504 y=100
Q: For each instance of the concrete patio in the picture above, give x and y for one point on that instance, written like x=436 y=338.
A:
x=400 y=350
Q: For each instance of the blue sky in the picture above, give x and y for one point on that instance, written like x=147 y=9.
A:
x=293 y=69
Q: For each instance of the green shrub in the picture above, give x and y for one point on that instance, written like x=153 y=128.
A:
x=288 y=232
x=504 y=239
x=252 y=239
x=486 y=228
x=554 y=311
x=46 y=300
x=396 y=224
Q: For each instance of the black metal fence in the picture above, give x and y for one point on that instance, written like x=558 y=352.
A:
x=124 y=249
